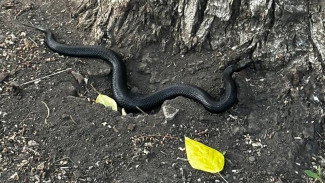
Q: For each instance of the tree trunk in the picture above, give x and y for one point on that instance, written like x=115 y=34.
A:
x=279 y=31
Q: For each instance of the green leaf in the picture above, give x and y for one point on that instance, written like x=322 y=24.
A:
x=106 y=101
x=312 y=174
x=203 y=157
x=319 y=170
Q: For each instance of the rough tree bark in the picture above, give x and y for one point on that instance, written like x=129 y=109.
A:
x=281 y=30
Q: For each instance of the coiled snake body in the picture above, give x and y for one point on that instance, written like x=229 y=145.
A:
x=133 y=102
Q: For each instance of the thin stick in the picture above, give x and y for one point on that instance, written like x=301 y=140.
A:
x=35 y=27
x=222 y=177
x=94 y=89
x=48 y=112
x=44 y=77
x=72 y=119
x=33 y=41
x=141 y=110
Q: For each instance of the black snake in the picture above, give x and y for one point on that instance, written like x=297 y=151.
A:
x=133 y=102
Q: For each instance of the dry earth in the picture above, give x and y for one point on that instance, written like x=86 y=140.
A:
x=52 y=131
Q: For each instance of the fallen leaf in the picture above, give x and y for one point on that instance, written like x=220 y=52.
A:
x=78 y=77
x=203 y=157
x=106 y=101
x=124 y=112
x=312 y=174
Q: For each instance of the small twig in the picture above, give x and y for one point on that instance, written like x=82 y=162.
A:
x=182 y=159
x=141 y=110
x=26 y=8
x=48 y=112
x=34 y=27
x=222 y=177
x=94 y=89
x=72 y=119
x=183 y=174
x=44 y=77
x=203 y=132
x=33 y=41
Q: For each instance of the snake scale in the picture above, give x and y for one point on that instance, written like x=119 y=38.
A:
x=134 y=102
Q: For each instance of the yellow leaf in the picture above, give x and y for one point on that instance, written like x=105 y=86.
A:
x=106 y=101
x=203 y=157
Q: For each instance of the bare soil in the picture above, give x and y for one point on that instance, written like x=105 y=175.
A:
x=53 y=131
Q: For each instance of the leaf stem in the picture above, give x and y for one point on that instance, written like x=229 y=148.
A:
x=222 y=177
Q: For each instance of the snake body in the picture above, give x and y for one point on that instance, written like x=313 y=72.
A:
x=133 y=102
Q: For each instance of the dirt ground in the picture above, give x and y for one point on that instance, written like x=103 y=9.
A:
x=52 y=131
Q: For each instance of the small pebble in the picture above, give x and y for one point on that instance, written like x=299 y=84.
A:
x=169 y=112
x=32 y=143
x=77 y=174
x=131 y=127
x=251 y=159
x=143 y=68
x=78 y=77
x=239 y=130
x=309 y=131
